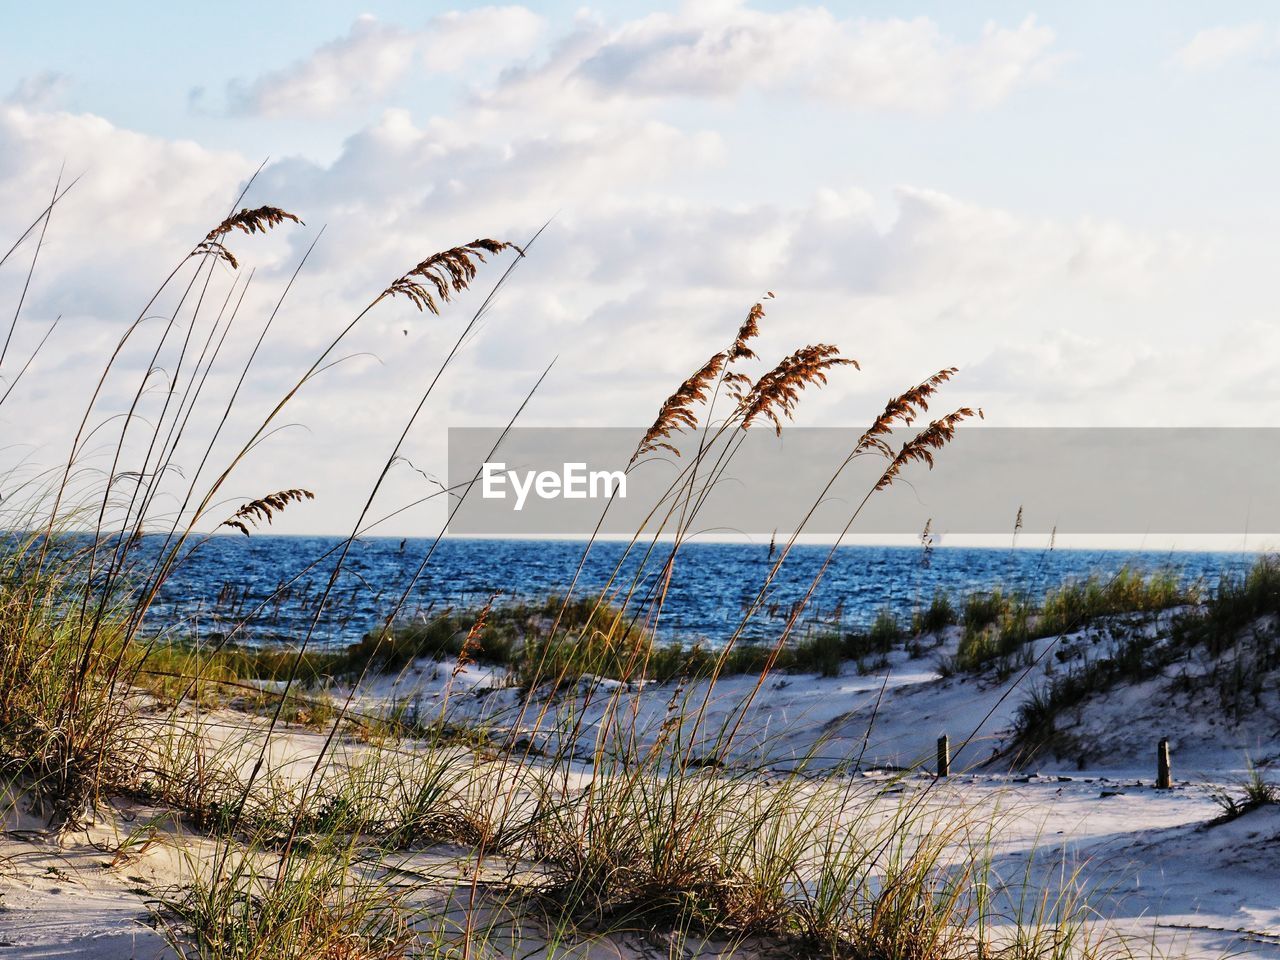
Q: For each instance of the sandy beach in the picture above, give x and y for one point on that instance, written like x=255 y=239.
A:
x=1157 y=865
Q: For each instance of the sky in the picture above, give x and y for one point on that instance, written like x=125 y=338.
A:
x=1072 y=203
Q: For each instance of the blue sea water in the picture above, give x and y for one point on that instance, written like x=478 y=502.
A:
x=269 y=586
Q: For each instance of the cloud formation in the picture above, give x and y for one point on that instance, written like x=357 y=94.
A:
x=724 y=49
x=1217 y=46
x=374 y=57
x=642 y=272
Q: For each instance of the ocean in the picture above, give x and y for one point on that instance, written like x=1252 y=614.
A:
x=272 y=584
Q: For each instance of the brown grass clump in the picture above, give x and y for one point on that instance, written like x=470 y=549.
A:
x=776 y=394
x=264 y=508
x=471 y=645
x=677 y=412
x=448 y=272
x=902 y=409
x=258 y=220
x=737 y=382
x=920 y=448
x=749 y=330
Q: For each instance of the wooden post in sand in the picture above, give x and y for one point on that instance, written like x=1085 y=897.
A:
x=944 y=756
x=1164 y=774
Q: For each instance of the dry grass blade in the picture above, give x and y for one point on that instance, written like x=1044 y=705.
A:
x=776 y=394
x=257 y=220
x=448 y=272
x=471 y=645
x=264 y=508
x=920 y=448
x=737 y=383
x=677 y=412
x=902 y=409
x=749 y=330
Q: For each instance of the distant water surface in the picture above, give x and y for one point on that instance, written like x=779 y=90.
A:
x=228 y=578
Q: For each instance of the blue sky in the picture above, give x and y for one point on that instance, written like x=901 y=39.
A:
x=1073 y=203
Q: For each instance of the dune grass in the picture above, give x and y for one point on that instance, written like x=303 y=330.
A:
x=999 y=625
x=1232 y=629
x=1126 y=591
x=321 y=906
x=590 y=639
x=61 y=714
x=826 y=867
x=1251 y=792
x=595 y=637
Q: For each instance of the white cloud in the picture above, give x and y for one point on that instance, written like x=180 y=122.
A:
x=373 y=57
x=139 y=201
x=1217 y=46
x=720 y=49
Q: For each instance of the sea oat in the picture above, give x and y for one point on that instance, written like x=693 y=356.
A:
x=902 y=410
x=749 y=330
x=776 y=394
x=736 y=383
x=926 y=541
x=258 y=220
x=471 y=645
x=448 y=272
x=921 y=447
x=264 y=508
x=677 y=412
